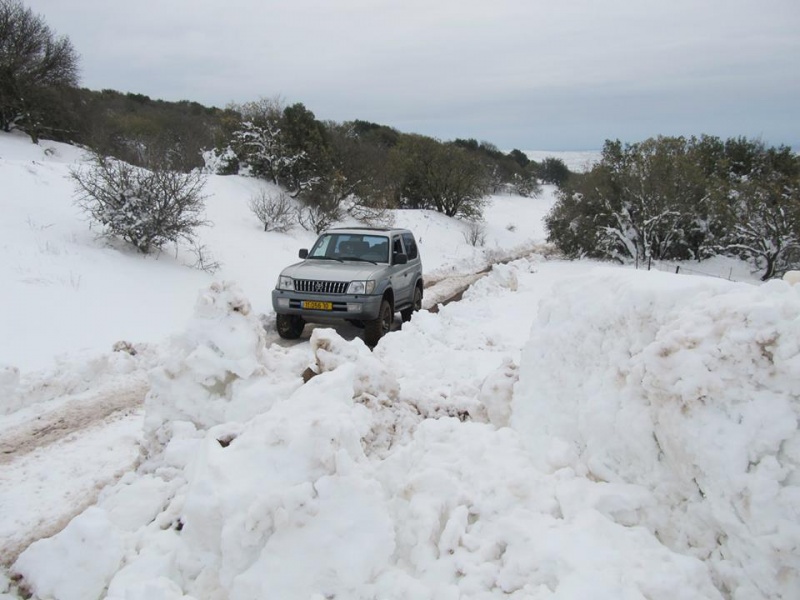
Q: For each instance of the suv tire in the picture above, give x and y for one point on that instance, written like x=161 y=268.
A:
x=374 y=330
x=415 y=305
x=290 y=327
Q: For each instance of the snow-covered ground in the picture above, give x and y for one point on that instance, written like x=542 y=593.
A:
x=566 y=430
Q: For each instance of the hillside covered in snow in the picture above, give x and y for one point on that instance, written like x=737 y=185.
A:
x=565 y=430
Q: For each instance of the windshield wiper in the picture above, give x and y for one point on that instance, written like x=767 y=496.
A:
x=358 y=258
x=325 y=258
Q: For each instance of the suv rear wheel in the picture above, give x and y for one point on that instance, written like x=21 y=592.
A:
x=289 y=326
x=374 y=330
x=415 y=305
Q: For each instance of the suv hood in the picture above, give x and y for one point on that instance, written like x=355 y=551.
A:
x=333 y=270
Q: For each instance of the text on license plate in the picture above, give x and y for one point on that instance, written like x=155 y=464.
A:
x=314 y=305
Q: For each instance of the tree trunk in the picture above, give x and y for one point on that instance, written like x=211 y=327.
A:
x=772 y=260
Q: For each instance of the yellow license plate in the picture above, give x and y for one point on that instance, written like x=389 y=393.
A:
x=317 y=305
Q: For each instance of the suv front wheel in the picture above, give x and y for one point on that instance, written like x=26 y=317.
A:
x=290 y=327
x=374 y=330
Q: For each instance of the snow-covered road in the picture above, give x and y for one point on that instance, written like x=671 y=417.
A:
x=564 y=431
x=58 y=436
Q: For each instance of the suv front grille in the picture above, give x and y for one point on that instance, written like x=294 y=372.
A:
x=320 y=287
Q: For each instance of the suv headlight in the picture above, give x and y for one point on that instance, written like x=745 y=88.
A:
x=285 y=283
x=361 y=287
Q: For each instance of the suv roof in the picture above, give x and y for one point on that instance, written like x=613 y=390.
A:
x=381 y=229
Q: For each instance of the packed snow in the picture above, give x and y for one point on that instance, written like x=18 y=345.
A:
x=565 y=430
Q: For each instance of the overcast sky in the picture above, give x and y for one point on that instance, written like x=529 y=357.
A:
x=528 y=74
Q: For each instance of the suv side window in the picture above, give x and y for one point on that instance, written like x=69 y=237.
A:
x=397 y=247
x=411 y=246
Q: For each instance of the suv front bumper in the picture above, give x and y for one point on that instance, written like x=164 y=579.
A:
x=342 y=306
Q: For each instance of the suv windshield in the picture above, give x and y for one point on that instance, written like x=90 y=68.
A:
x=352 y=246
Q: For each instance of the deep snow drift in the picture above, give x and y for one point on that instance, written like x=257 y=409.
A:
x=564 y=431
x=652 y=447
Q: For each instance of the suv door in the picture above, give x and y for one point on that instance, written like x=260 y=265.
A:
x=401 y=275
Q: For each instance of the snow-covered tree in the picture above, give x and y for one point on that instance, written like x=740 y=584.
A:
x=260 y=147
x=286 y=146
x=761 y=210
x=677 y=198
x=638 y=203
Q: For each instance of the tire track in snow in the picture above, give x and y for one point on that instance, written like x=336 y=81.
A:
x=79 y=412
x=42 y=490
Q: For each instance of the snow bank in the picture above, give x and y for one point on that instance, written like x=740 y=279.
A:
x=216 y=371
x=686 y=392
x=357 y=484
x=792 y=277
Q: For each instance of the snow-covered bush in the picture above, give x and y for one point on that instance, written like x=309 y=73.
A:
x=146 y=208
x=676 y=198
x=221 y=162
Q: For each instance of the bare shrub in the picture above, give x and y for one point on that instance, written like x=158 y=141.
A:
x=204 y=259
x=371 y=216
x=319 y=209
x=146 y=208
x=274 y=209
x=316 y=217
x=475 y=234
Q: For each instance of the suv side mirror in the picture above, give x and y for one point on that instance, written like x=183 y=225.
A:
x=400 y=258
x=303 y=253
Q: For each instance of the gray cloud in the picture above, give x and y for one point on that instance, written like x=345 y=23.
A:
x=518 y=73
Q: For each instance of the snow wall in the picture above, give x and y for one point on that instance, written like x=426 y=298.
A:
x=681 y=397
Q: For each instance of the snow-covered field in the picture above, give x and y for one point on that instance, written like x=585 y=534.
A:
x=567 y=430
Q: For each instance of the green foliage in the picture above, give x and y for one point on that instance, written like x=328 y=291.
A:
x=553 y=170
x=576 y=220
x=35 y=67
x=519 y=157
x=145 y=132
x=678 y=198
x=360 y=161
x=443 y=177
x=306 y=139
x=374 y=134
x=512 y=172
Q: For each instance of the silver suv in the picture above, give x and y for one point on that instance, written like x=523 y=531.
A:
x=355 y=274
